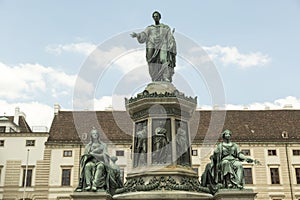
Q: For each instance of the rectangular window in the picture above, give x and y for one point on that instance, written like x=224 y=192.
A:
x=67 y=153
x=297 y=170
x=1 y=143
x=66 y=177
x=194 y=152
x=196 y=169
x=28 y=178
x=2 y=129
x=0 y=174
x=119 y=153
x=296 y=152
x=248 y=175
x=30 y=143
x=272 y=152
x=274 y=175
x=246 y=152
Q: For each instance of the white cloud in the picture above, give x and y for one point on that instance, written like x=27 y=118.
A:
x=99 y=58
x=81 y=48
x=26 y=80
x=37 y=114
x=115 y=102
x=288 y=102
x=131 y=60
x=231 y=55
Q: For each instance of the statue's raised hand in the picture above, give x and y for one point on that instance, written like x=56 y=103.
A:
x=133 y=34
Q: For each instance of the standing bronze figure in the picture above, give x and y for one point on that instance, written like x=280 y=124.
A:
x=160 y=49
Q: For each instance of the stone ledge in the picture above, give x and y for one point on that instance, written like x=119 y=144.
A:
x=235 y=194
x=165 y=195
x=91 y=196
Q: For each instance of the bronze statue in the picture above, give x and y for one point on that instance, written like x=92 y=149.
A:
x=225 y=169
x=160 y=49
x=97 y=174
x=114 y=176
x=160 y=142
x=182 y=145
x=141 y=145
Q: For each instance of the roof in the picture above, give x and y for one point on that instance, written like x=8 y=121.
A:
x=251 y=125
x=116 y=126
x=23 y=125
x=70 y=126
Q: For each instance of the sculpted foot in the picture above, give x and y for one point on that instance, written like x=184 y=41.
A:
x=88 y=188
x=94 y=189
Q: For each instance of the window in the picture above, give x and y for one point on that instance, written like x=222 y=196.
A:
x=274 y=176
x=297 y=170
x=67 y=153
x=196 y=169
x=2 y=129
x=30 y=143
x=272 y=152
x=11 y=130
x=28 y=178
x=66 y=177
x=194 y=152
x=119 y=153
x=246 y=152
x=0 y=174
x=296 y=152
x=1 y=143
x=248 y=175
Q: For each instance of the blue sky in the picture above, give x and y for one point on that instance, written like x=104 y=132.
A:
x=254 y=46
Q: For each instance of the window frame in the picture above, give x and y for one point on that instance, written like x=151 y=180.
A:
x=277 y=175
x=27 y=144
x=66 y=153
x=246 y=150
x=196 y=152
x=272 y=154
x=31 y=178
x=120 y=153
x=2 y=143
x=2 y=129
x=297 y=178
x=66 y=180
x=251 y=173
x=296 y=150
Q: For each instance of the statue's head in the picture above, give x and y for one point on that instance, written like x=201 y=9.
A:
x=226 y=134
x=113 y=158
x=94 y=134
x=156 y=16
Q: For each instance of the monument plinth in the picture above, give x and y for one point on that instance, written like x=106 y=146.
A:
x=245 y=194
x=91 y=196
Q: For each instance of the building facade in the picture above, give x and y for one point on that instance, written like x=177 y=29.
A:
x=270 y=136
x=21 y=156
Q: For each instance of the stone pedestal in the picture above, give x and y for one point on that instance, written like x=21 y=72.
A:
x=161 y=141
x=245 y=194
x=165 y=195
x=91 y=196
x=161 y=134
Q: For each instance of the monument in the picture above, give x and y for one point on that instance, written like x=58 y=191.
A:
x=161 y=146
x=224 y=176
x=99 y=175
x=162 y=167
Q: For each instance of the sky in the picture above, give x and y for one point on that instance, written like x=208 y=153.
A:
x=54 y=52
